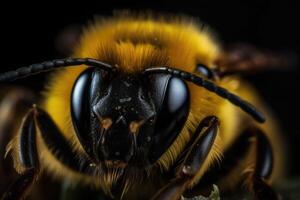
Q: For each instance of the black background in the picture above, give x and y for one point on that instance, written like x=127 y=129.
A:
x=29 y=29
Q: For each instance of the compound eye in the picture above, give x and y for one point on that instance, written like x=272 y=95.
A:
x=84 y=91
x=204 y=71
x=172 y=100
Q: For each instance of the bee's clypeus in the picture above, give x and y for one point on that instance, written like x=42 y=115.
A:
x=146 y=101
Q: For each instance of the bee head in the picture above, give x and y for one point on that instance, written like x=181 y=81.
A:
x=125 y=119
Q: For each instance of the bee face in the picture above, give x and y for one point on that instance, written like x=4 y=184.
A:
x=128 y=119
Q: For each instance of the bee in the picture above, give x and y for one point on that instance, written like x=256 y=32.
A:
x=149 y=108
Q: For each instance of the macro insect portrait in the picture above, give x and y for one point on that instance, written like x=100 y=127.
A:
x=147 y=106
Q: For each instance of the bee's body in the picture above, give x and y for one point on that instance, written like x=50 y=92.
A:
x=134 y=44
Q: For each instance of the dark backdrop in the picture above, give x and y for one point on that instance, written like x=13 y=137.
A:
x=28 y=31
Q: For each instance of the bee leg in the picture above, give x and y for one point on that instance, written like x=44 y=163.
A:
x=263 y=168
x=229 y=164
x=193 y=161
x=60 y=148
x=12 y=107
x=231 y=161
x=28 y=158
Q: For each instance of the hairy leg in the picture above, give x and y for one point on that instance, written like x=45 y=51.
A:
x=233 y=165
x=12 y=107
x=26 y=156
x=28 y=159
x=192 y=162
x=263 y=167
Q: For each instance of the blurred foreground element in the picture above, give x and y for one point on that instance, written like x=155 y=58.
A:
x=214 y=195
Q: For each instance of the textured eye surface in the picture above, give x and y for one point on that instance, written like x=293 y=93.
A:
x=80 y=97
x=84 y=91
x=172 y=100
x=204 y=70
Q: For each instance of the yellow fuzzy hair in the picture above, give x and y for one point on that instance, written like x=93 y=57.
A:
x=133 y=44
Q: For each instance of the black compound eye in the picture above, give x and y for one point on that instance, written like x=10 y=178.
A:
x=172 y=100
x=85 y=89
x=205 y=71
